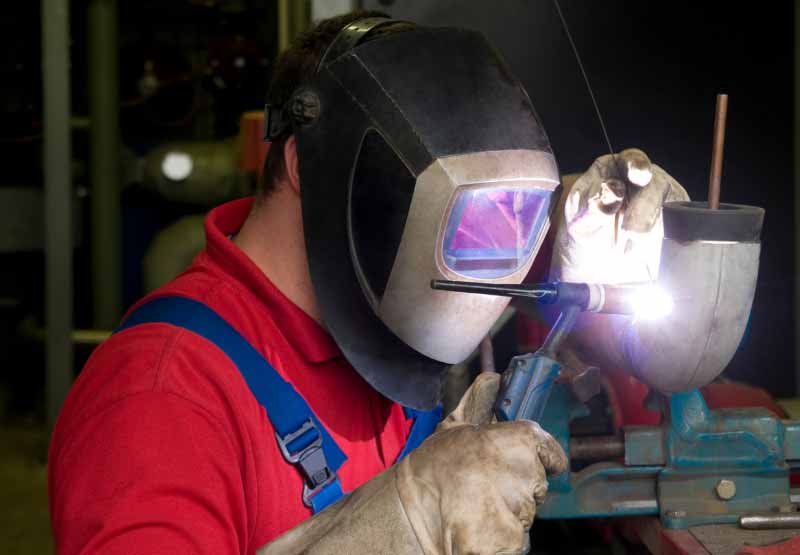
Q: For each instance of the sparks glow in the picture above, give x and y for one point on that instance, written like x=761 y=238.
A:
x=651 y=302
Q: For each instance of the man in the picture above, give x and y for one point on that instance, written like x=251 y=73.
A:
x=301 y=355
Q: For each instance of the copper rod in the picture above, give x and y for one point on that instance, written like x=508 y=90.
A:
x=717 y=150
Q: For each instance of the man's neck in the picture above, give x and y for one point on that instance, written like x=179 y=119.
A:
x=272 y=237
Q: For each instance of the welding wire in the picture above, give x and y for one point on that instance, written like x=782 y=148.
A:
x=770 y=521
x=717 y=150
x=588 y=87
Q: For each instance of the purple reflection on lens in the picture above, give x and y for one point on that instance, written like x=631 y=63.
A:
x=491 y=233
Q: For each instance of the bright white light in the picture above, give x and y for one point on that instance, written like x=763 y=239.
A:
x=607 y=195
x=177 y=166
x=639 y=177
x=650 y=302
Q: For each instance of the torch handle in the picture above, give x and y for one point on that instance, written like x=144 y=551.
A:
x=609 y=299
x=527 y=383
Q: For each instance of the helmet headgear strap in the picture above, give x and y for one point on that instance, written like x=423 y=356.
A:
x=303 y=104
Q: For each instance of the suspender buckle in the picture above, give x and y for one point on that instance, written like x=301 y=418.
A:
x=309 y=458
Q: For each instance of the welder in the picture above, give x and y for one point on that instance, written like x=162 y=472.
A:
x=284 y=389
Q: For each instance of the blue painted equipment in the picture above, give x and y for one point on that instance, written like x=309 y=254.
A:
x=527 y=383
x=697 y=467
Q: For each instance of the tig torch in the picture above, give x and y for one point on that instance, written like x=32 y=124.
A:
x=526 y=384
x=591 y=297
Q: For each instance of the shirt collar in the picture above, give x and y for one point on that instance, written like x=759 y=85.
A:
x=304 y=333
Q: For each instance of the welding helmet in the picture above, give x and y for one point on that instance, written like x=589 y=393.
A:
x=420 y=157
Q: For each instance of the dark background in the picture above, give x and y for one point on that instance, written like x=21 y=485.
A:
x=656 y=68
x=212 y=59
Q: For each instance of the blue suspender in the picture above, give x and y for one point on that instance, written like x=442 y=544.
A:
x=424 y=424
x=302 y=439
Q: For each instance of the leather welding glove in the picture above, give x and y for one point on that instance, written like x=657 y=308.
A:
x=611 y=228
x=472 y=487
x=610 y=231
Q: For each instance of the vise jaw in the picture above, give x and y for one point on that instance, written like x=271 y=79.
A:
x=697 y=467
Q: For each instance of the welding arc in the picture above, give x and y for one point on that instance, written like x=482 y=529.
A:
x=586 y=80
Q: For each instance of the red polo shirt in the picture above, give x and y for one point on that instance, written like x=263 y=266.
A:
x=161 y=447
